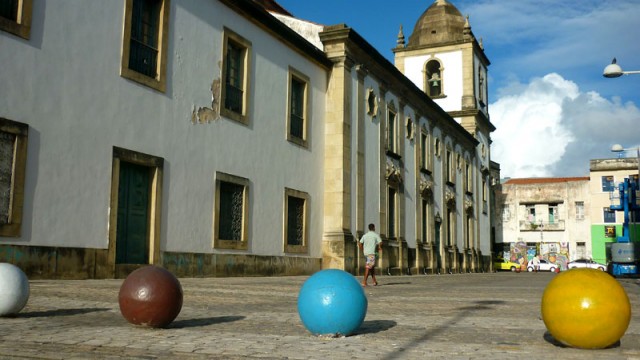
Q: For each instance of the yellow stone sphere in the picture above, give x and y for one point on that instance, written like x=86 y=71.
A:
x=586 y=308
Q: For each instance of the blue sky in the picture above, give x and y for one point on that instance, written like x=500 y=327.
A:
x=551 y=105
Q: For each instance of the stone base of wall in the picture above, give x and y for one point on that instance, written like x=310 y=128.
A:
x=227 y=265
x=41 y=262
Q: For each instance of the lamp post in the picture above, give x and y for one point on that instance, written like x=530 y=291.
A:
x=614 y=70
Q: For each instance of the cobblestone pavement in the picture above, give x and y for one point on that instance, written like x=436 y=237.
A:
x=470 y=316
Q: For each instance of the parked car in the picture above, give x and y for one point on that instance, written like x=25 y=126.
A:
x=544 y=266
x=586 y=263
x=505 y=265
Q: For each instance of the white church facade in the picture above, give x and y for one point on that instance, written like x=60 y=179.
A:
x=228 y=138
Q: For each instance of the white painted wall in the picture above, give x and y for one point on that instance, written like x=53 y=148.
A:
x=64 y=83
x=451 y=75
x=373 y=132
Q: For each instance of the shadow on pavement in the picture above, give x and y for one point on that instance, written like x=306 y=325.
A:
x=374 y=326
x=553 y=341
x=464 y=312
x=59 y=312
x=395 y=283
x=203 y=321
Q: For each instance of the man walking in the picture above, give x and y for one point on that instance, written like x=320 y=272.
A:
x=368 y=243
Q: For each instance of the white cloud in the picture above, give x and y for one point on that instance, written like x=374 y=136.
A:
x=550 y=128
x=574 y=38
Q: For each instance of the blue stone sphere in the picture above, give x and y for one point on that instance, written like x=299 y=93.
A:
x=332 y=302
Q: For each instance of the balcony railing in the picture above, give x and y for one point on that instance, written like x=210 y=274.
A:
x=526 y=225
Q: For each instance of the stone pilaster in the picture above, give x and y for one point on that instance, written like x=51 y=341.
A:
x=339 y=249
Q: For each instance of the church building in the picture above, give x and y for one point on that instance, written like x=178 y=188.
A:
x=230 y=138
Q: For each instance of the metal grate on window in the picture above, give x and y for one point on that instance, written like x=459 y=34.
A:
x=297 y=109
x=295 y=221
x=9 y=9
x=231 y=211
x=7 y=155
x=233 y=89
x=143 y=49
x=233 y=98
x=297 y=126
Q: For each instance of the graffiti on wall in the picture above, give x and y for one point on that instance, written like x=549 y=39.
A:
x=553 y=252
x=556 y=253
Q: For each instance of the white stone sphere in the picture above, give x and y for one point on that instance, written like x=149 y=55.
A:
x=14 y=289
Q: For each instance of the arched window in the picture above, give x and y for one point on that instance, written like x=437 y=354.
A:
x=433 y=79
x=482 y=95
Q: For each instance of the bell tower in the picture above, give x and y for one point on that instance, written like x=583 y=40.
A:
x=446 y=61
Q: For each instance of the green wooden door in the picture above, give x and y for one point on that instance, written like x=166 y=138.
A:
x=132 y=245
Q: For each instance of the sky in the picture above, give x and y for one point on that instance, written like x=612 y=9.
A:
x=553 y=109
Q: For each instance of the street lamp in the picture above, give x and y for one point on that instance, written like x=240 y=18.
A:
x=614 y=70
x=617 y=148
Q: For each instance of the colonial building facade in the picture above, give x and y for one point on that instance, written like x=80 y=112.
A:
x=228 y=138
x=548 y=217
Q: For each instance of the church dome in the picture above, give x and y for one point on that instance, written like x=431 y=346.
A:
x=441 y=23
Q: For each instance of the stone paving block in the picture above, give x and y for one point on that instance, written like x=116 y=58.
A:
x=470 y=316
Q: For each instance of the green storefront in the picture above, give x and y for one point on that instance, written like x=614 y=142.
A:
x=601 y=235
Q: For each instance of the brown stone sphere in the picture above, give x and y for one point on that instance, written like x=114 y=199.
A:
x=150 y=296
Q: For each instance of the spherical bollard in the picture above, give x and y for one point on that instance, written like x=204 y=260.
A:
x=585 y=308
x=150 y=296
x=14 y=289
x=332 y=302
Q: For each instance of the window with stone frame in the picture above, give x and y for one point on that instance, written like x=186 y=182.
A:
x=468 y=171
x=298 y=114
x=392 y=131
x=296 y=221
x=15 y=17
x=482 y=87
x=235 y=75
x=485 y=196
x=231 y=212
x=427 y=215
x=145 y=42
x=450 y=167
x=392 y=212
x=13 y=158
x=425 y=150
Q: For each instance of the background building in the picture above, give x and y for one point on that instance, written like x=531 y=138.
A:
x=216 y=138
x=543 y=216
x=606 y=224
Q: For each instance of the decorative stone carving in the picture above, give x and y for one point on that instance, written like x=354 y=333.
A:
x=449 y=197
x=426 y=188
x=410 y=129
x=372 y=103
x=393 y=173
x=468 y=205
